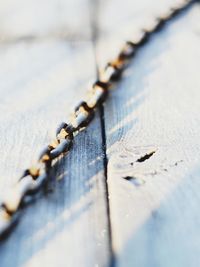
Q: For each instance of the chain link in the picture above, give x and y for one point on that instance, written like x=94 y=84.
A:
x=34 y=177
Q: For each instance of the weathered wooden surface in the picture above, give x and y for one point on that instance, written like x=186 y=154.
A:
x=41 y=81
x=154 y=111
x=48 y=54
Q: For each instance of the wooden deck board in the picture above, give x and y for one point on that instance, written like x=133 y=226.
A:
x=155 y=111
x=42 y=79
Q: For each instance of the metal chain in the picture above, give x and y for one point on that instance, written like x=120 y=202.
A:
x=33 y=178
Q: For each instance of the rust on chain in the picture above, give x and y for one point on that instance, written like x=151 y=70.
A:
x=97 y=95
x=33 y=178
x=82 y=116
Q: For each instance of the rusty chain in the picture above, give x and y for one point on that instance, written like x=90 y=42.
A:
x=33 y=178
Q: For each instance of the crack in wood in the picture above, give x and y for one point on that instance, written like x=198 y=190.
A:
x=146 y=157
x=136 y=181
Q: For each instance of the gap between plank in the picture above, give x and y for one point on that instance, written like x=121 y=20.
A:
x=94 y=8
x=105 y=163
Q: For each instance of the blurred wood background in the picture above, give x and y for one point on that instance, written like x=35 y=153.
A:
x=128 y=212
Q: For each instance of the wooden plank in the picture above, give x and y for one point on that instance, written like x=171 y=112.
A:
x=40 y=81
x=152 y=135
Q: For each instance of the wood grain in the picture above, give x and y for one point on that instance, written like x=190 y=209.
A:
x=41 y=79
x=154 y=111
